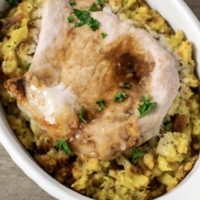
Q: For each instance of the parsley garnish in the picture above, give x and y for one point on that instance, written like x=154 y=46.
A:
x=120 y=97
x=71 y=19
x=72 y=2
x=136 y=155
x=84 y=18
x=146 y=106
x=104 y=35
x=94 y=24
x=97 y=7
x=94 y=7
x=63 y=146
x=100 y=105
x=125 y=85
x=13 y=2
x=82 y=115
x=101 y=2
x=167 y=126
x=82 y=15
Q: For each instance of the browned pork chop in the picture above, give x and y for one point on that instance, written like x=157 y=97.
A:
x=75 y=67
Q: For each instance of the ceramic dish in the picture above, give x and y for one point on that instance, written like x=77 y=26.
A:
x=179 y=16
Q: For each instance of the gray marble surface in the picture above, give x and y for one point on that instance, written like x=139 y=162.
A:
x=14 y=185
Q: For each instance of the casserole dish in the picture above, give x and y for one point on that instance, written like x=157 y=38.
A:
x=178 y=12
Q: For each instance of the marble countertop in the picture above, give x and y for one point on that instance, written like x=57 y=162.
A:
x=14 y=185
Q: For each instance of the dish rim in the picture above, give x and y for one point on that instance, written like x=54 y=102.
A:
x=29 y=166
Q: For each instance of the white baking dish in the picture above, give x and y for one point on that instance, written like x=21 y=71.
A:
x=180 y=17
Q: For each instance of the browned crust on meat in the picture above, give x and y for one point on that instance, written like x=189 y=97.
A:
x=131 y=59
x=17 y=87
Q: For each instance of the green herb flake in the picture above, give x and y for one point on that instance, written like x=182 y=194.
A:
x=125 y=85
x=137 y=154
x=94 y=24
x=82 y=15
x=78 y=24
x=85 y=19
x=82 y=115
x=72 y=2
x=104 y=35
x=167 y=126
x=70 y=19
x=120 y=97
x=13 y=3
x=146 y=106
x=97 y=7
x=94 y=7
x=100 y=105
x=101 y=2
x=63 y=146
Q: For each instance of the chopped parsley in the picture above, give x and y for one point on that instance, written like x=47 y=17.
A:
x=72 y=2
x=84 y=18
x=82 y=115
x=97 y=6
x=63 y=146
x=104 y=35
x=137 y=154
x=125 y=85
x=101 y=2
x=167 y=126
x=13 y=3
x=120 y=97
x=94 y=24
x=100 y=105
x=82 y=15
x=94 y=7
x=71 y=19
x=146 y=106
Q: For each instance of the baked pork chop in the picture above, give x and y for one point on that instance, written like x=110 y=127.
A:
x=76 y=72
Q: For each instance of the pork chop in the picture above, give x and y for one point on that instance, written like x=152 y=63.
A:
x=74 y=68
